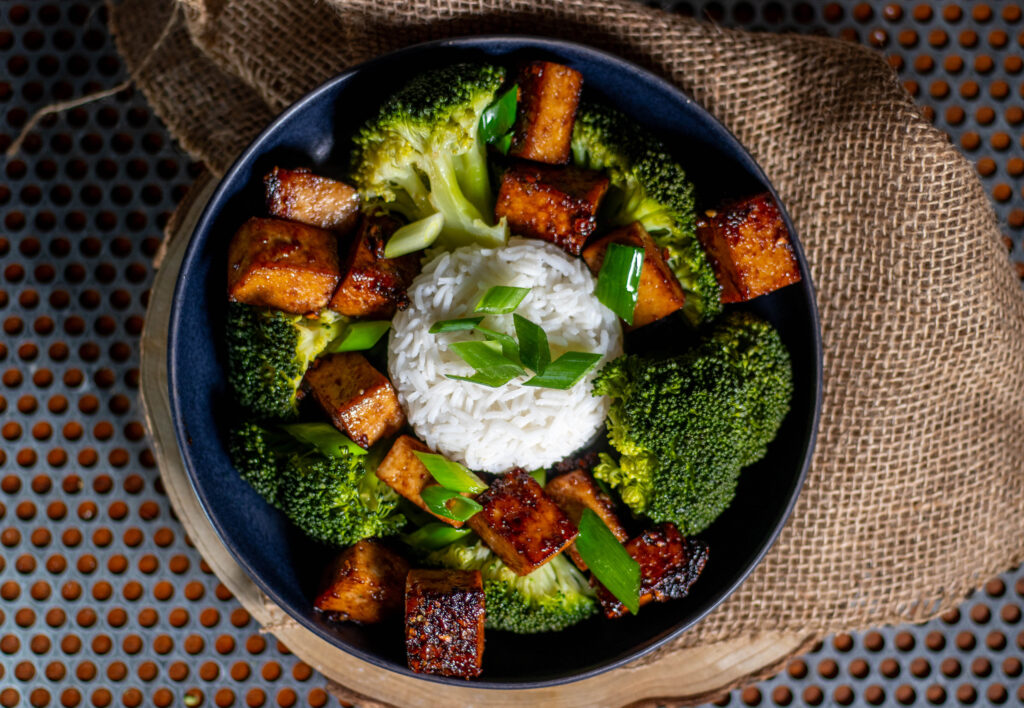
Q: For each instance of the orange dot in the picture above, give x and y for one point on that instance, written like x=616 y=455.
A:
x=969 y=89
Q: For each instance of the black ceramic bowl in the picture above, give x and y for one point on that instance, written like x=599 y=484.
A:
x=315 y=132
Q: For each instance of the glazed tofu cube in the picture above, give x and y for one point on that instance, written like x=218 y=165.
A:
x=444 y=622
x=402 y=471
x=669 y=565
x=365 y=583
x=372 y=285
x=555 y=204
x=548 y=96
x=576 y=491
x=299 y=195
x=520 y=523
x=359 y=399
x=283 y=265
x=748 y=244
x=659 y=293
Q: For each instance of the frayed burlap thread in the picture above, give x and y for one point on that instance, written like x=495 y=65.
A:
x=916 y=492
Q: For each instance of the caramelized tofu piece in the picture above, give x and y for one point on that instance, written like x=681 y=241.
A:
x=444 y=622
x=372 y=285
x=749 y=246
x=283 y=265
x=555 y=204
x=549 y=94
x=520 y=523
x=669 y=565
x=299 y=195
x=365 y=583
x=359 y=399
x=659 y=293
x=576 y=491
x=402 y=471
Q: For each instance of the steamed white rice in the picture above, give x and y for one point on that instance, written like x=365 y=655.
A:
x=494 y=429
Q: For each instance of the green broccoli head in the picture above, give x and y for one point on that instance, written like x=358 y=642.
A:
x=422 y=153
x=686 y=426
x=268 y=354
x=336 y=499
x=549 y=599
x=648 y=185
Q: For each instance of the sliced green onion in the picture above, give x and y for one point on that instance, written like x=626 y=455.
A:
x=449 y=504
x=455 y=325
x=324 y=437
x=435 y=535
x=618 y=283
x=534 y=351
x=509 y=346
x=609 y=560
x=503 y=143
x=497 y=119
x=488 y=360
x=450 y=475
x=482 y=379
x=565 y=371
x=540 y=475
x=415 y=236
x=501 y=300
x=359 y=336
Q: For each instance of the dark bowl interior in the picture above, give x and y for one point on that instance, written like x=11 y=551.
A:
x=315 y=132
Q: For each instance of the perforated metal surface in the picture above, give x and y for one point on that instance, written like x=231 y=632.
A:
x=103 y=601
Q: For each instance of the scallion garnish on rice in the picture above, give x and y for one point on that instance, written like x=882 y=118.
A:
x=458 y=325
x=534 y=351
x=501 y=300
x=565 y=371
x=618 y=283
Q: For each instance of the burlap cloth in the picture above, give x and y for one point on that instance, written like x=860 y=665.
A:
x=916 y=493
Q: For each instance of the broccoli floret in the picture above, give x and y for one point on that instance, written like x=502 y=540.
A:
x=422 y=154
x=686 y=426
x=269 y=352
x=648 y=185
x=549 y=599
x=336 y=499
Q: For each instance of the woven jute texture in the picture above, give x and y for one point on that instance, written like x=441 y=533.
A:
x=916 y=492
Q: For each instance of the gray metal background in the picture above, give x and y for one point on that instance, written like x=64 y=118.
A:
x=102 y=599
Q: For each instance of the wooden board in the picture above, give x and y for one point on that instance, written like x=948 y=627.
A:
x=681 y=678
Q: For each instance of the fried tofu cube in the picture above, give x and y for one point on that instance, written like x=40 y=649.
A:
x=549 y=94
x=402 y=471
x=576 y=491
x=365 y=583
x=669 y=566
x=659 y=293
x=299 y=195
x=372 y=285
x=444 y=622
x=555 y=204
x=520 y=523
x=749 y=246
x=284 y=265
x=360 y=400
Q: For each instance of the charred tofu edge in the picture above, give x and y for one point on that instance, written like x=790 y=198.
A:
x=444 y=622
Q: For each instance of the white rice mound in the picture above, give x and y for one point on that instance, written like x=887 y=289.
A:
x=495 y=429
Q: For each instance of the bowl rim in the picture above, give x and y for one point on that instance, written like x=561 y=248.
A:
x=216 y=203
